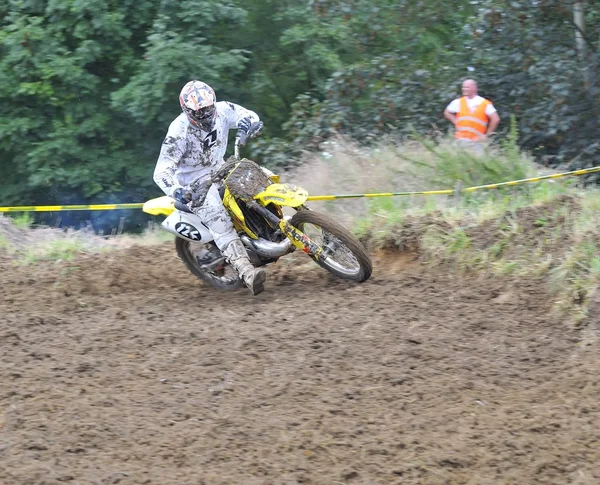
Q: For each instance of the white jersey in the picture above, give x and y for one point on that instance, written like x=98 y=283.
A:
x=188 y=155
x=472 y=103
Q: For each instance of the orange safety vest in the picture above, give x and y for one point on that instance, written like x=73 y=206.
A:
x=470 y=124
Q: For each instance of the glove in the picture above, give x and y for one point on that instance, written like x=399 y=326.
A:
x=244 y=125
x=248 y=130
x=194 y=195
x=182 y=195
x=218 y=175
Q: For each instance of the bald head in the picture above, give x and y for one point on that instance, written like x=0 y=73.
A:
x=469 y=88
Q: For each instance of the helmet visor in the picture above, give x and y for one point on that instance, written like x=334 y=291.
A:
x=203 y=117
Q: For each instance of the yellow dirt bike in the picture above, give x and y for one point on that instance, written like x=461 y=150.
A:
x=254 y=198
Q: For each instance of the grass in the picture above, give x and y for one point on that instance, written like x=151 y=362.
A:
x=577 y=277
x=23 y=220
x=559 y=244
x=56 y=250
x=30 y=247
x=446 y=164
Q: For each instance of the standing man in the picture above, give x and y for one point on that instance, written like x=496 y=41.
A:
x=474 y=117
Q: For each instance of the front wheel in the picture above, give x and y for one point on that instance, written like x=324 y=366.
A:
x=206 y=262
x=343 y=254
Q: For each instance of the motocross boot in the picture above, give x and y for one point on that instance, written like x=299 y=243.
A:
x=236 y=255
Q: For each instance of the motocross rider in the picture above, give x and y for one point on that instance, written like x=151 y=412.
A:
x=194 y=147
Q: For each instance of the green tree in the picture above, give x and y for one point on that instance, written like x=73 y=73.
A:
x=88 y=89
x=61 y=140
x=406 y=56
x=528 y=55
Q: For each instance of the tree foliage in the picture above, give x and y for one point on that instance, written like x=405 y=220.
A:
x=529 y=57
x=523 y=54
x=88 y=87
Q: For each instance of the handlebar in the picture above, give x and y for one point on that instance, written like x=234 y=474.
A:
x=236 y=149
x=219 y=174
x=253 y=132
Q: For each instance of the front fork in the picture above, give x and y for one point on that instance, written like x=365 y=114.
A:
x=298 y=238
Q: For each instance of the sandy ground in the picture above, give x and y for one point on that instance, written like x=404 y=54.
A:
x=122 y=368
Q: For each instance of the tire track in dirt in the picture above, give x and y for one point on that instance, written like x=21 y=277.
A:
x=122 y=368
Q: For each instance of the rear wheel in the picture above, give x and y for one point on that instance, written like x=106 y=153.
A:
x=206 y=262
x=344 y=255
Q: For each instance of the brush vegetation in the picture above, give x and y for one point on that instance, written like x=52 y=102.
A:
x=547 y=230
x=28 y=244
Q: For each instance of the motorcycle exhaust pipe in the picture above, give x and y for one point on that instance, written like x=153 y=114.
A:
x=268 y=249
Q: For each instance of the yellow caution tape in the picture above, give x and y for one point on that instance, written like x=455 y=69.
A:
x=57 y=208
x=467 y=189
x=381 y=194
x=533 y=179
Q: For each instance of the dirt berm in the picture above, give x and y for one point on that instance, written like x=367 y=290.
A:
x=122 y=368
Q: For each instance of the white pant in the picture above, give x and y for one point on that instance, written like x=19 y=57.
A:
x=215 y=217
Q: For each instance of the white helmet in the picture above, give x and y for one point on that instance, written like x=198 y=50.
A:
x=197 y=100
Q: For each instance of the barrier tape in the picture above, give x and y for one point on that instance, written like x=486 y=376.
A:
x=583 y=171
x=57 y=208
x=381 y=194
x=466 y=189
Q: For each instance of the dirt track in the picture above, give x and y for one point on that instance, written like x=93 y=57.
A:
x=121 y=368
